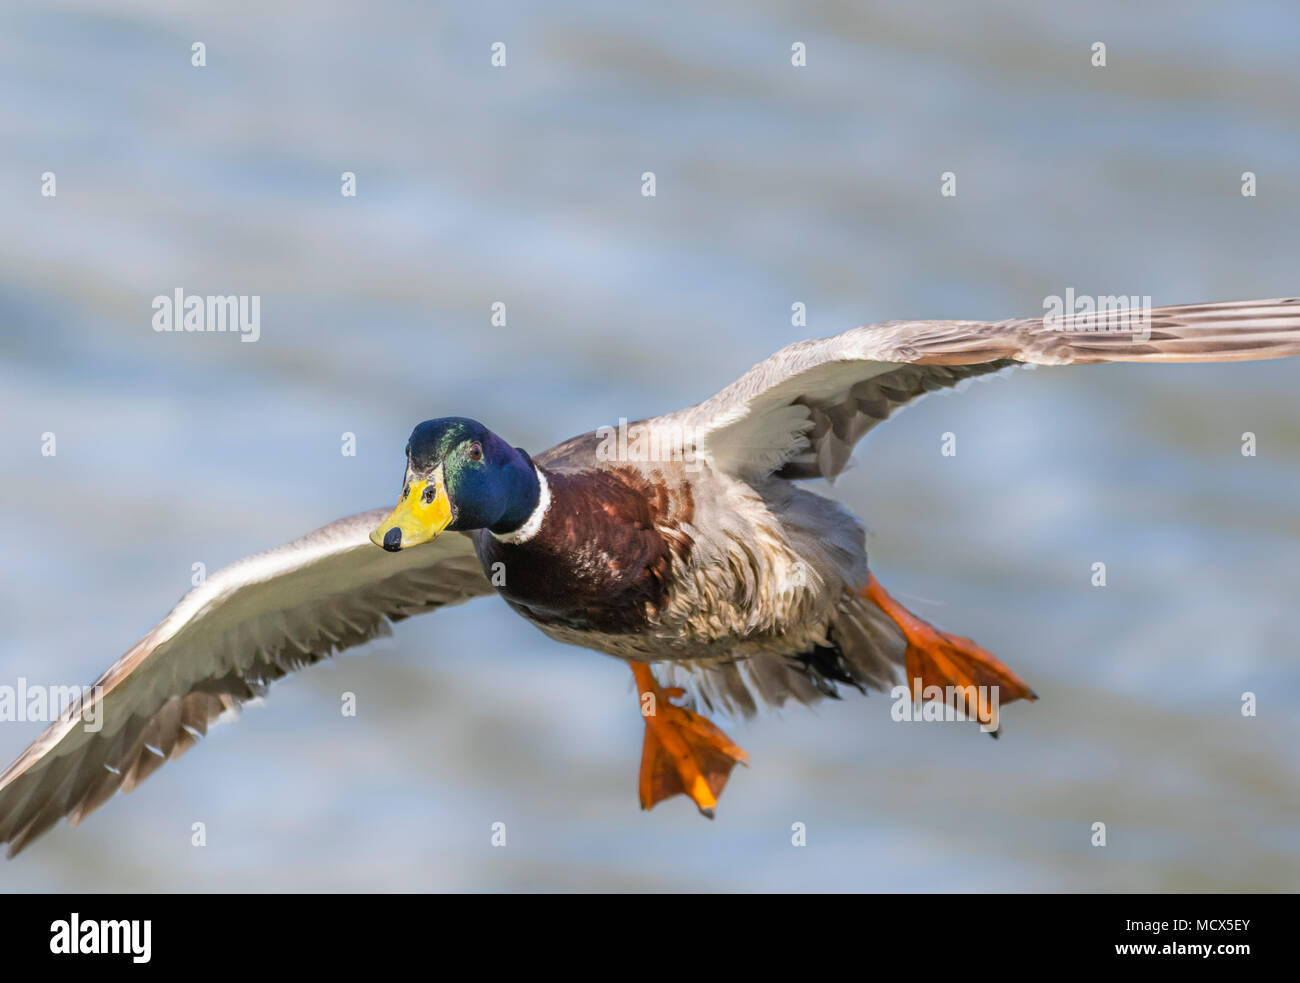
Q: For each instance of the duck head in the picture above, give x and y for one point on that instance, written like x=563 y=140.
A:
x=459 y=476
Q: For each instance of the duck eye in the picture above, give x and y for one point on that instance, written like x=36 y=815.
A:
x=476 y=451
x=428 y=495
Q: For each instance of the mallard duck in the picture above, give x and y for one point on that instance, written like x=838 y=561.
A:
x=684 y=542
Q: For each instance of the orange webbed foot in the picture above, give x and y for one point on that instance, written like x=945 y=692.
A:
x=966 y=673
x=683 y=753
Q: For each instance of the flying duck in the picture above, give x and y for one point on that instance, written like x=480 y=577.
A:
x=685 y=542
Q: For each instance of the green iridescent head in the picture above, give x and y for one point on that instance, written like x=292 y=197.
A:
x=459 y=476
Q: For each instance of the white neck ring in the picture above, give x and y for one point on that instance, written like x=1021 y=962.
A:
x=533 y=524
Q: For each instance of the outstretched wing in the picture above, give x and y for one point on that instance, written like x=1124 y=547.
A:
x=243 y=628
x=800 y=412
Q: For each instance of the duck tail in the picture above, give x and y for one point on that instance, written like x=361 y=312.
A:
x=868 y=645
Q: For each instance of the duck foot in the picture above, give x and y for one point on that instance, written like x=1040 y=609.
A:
x=683 y=753
x=973 y=680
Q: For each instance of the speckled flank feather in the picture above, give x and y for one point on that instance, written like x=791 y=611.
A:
x=803 y=570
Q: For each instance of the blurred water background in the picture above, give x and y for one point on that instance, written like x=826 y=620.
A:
x=775 y=184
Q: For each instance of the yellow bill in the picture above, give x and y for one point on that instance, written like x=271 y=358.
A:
x=422 y=513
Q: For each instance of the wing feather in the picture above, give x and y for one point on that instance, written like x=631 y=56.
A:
x=223 y=644
x=800 y=412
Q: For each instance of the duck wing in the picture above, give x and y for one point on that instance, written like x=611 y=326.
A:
x=227 y=639
x=799 y=413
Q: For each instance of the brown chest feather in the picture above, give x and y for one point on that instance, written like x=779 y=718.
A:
x=603 y=558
